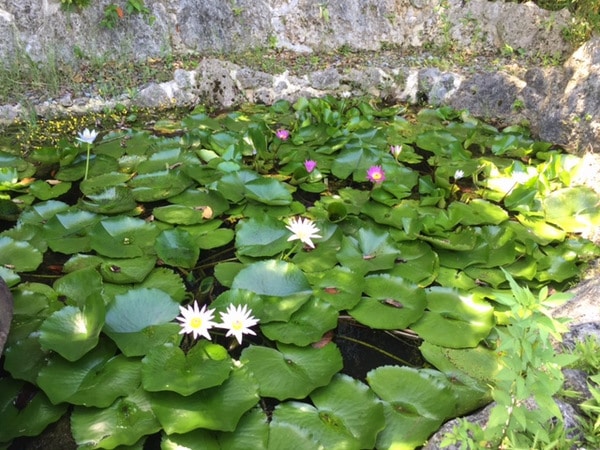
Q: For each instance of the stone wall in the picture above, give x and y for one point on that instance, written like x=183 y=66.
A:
x=42 y=29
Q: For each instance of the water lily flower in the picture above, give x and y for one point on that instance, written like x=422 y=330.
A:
x=196 y=321
x=376 y=174
x=87 y=136
x=395 y=150
x=458 y=174
x=303 y=229
x=310 y=165
x=238 y=320
x=282 y=134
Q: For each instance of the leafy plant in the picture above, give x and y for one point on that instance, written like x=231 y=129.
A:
x=114 y=13
x=530 y=375
x=207 y=209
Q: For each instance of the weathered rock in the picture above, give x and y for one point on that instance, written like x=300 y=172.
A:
x=573 y=121
x=45 y=30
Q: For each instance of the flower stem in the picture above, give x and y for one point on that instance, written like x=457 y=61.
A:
x=87 y=162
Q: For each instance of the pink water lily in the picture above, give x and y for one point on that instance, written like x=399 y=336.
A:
x=310 y=165
x=375 y=174
x=282 y=134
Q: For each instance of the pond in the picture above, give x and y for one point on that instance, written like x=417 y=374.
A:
x=330 y=271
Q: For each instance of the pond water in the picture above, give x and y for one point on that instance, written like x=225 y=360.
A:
x=369 y=245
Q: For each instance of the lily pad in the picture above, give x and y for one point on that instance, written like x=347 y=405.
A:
x=251 y=433
x=392 y=303
x=305 y=326
x=217 y=408
x=123 y=423
x=454 y=319
x=160 y=185
x=167 y=368
x=261 y=236
x=339 y=286
x=24 y=420
x=97 y=379
x=575 y=210
x=21 y=256
x=290 y=371
x=372 y=249
x=71 y=331
x=123 y=237
x=281 y=284
x=177 y=248
x=345 y=414
x=141 y=319
x=417 y=401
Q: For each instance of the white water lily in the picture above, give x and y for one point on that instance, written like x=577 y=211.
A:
x=458 y=174
x=238 y=320
x=303 y=229
x=196 y=321
x=87 y=136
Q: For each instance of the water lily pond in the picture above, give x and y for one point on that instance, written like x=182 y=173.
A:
x=325 y=272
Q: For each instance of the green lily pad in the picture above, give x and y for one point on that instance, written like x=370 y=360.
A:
x=167 y=281
x=45 y=191
x=280 y=283
x=251 y=433
x=201 y=198
x=261 y=236
x=291 y=372
x=268 y=191
x=338 y=286
x=20 y=256
x=111 y=200
x=24 y=420
x=179 y=214
x=216 y=408
x=177 y=248
x=417 y=262
x=345 y=414
x=575 y=210
x=123 y=237
x=478 y=363
x=305 y=326
x=454 y=319
x=97 y=379
x=24 y=358
x=371 y=250
x=126 y=271
x=140 y=319
x=417 y=401
x=71 y=331
x=79 y=284
x=478 y=212
x=159 y=185
x=167 y=368
x=392 y=303
x=123 y=423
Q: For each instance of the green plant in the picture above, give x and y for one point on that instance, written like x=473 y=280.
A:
x=73 y=4
x=530 y=375
x=114 y=13
x=408 y=244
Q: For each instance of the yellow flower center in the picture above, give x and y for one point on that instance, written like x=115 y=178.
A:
x=237 y=325
x=196 y=322
x=376 y=175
